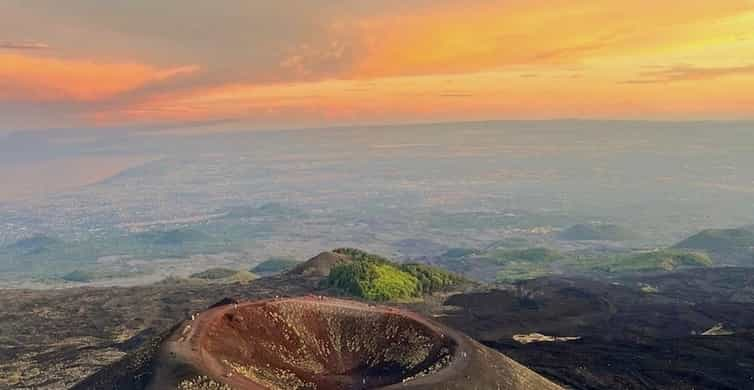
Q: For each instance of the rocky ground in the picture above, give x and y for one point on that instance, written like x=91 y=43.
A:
x=52 y=339
x=628 y=338
x=631 y=336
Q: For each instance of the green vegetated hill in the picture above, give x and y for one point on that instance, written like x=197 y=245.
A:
x=665 y=260
x=719 y=240
x=523 y=264
x=376 y=278
x=654 y=261
x=597 y=232
x=511 y=265
x=726 y=246
x=275 y=265
x=501 y=264
x=530 y=255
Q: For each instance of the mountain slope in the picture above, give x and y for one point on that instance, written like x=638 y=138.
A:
x=729 y=246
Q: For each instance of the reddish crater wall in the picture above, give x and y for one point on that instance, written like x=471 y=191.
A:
x=302 y=344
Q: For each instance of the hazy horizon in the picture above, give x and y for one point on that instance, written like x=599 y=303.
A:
x=329 y=62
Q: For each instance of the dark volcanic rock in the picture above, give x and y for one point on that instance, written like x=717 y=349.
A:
x=629 y=338
x=225 y=301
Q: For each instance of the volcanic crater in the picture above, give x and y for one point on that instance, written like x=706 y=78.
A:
x=313 y=344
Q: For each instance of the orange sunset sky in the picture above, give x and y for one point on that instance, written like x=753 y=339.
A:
x=320 y=62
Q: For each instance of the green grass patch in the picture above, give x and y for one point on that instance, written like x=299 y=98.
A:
x=654 y=261
x=376 y=278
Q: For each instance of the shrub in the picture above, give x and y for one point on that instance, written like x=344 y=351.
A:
x=430 y=278
x=376 y=278
x=375 y=281
x=360 y=255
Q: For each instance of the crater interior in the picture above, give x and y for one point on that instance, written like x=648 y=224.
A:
x=310 y=344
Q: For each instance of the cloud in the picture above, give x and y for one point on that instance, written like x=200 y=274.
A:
x=38 y=79
x=23 y=45
x=291 y=60
x=690 y=73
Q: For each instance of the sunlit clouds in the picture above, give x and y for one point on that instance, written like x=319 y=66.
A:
x=30 y=78
x=331 y=62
